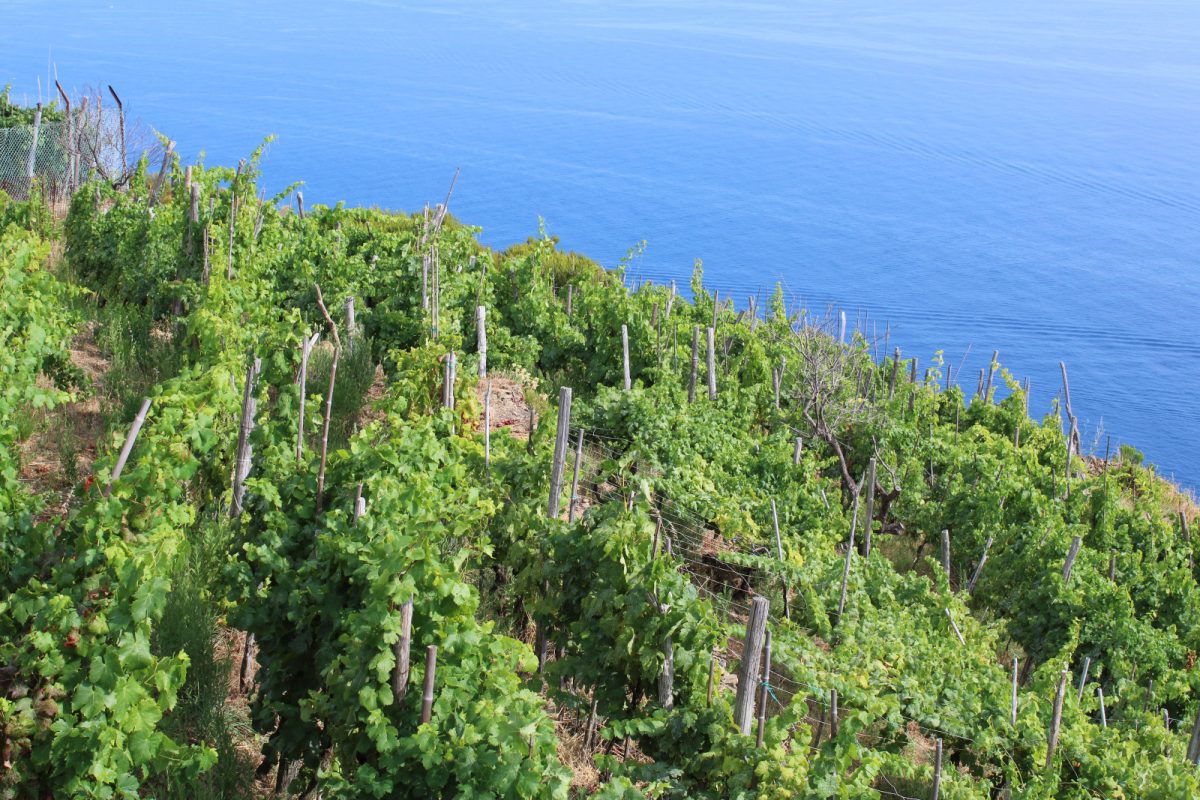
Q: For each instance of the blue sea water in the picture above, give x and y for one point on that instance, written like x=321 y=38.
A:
x=1021 y=176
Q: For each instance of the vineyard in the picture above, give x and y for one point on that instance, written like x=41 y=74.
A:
x=373 y=510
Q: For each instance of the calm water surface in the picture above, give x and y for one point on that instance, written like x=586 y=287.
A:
x=1021 y=175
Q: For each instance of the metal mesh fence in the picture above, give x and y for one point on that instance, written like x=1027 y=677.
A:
x=59 y=155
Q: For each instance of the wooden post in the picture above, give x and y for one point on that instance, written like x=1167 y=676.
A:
x=570 y=299
x=1083 y=676
x=946 y=553
x=833 y=714
x=245 y=450
x=670 y=302
x=625 y=355
x=575 y=477
x=561 y=437
x=1013 y=715
x=937 y=769
x=163 y=174
x=1072 y=445
x=1103 y=711
x=1193 y=751
x=987 y=386
x=695 y=363
x=787 y=612
x=1070 y=562
x=849 y=556
x=300 y=204
x=842 y=327
x=427 y=693
x=487 y=427
x=954 y=625
x=402 y=652
x=895 y=370
x=306 y=347
x=666 y=676
x=31 y=162
x=766 y=682
x=127 y=448
x=798 y=451
x=870 y=509
x=979 y=567
x=448 y=381
x=716 y=308
x=333 y=365
x=712 y=364
x=743 y=708
x=1056 y=719
x=481 y=335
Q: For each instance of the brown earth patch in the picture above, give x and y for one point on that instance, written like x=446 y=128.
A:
x=509 y=407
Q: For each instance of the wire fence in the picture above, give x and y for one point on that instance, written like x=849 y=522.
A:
x=61 y=155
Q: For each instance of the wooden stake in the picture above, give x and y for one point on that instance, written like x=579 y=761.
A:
x=402 y=652
x=575 y=477
x=712 y=673
x=562 y=436
x=31 y=161
x=748 y=670
x=1083 y=676
x=1013 y=715
x=427 y=693
x=487 y=427
x=1056 y=720
x=245 y=450
x=1070 y=562
x=787 y=613
x=946 y=553
x=987 y=386
x=834 y=722
x=481 y=335
x=1193 y=751
x=954 y=625
x=979 y=567
x=337 y=352
x=766 y=682
x=895 y=370
x=1103 y=711
x=798 y=451
x=870 y=509
x=712 y=364
x=937 y=769
x=306 y=347
x=127 y=448
x=625 y=355
x=849 y=556
x=695 y=363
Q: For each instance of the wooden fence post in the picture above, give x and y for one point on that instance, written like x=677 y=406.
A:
x=402 y=652
x=743 y=707
x=1056 y=719
x=481 y=335
x=849 y=556
x=625 y=356
x=712 y=673
x=712 y=364
x=427 y=693
x=987 y=386
x=833 y=714
x=798 y=451
x=127 y=448
x=300 y=204
x=245 y=450
x=351 y=324
x=895 y=370
x=670 y=302
x=954 y=625
x=1103 y=711
x=766 y=682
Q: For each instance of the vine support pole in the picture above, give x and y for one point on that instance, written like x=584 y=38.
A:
x=870 y=509
x=833 y=713
x=561 y=436
x=798 y=451
x=306 y=348
x=1083 y=676
x=427 y=691
x=979 y=567
x=127 y=448
x=766 y=683
x=625 y=356
x=987 y=386
x=787 y=612
x=575 y=477
x=695 y=363
x=937 y=769
x=946 y=553
x=895 y=370
x=712 y=364
x=245 y=450
x=31 y=162
x=1013 y=712
x=846 y=566
x=1193 y=752
x=1056 y=719
x=402 y=651
x=1070 y=562
x=481 y=335
x=756 y=625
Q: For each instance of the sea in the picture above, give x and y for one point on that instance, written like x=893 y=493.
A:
x=955 y=175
